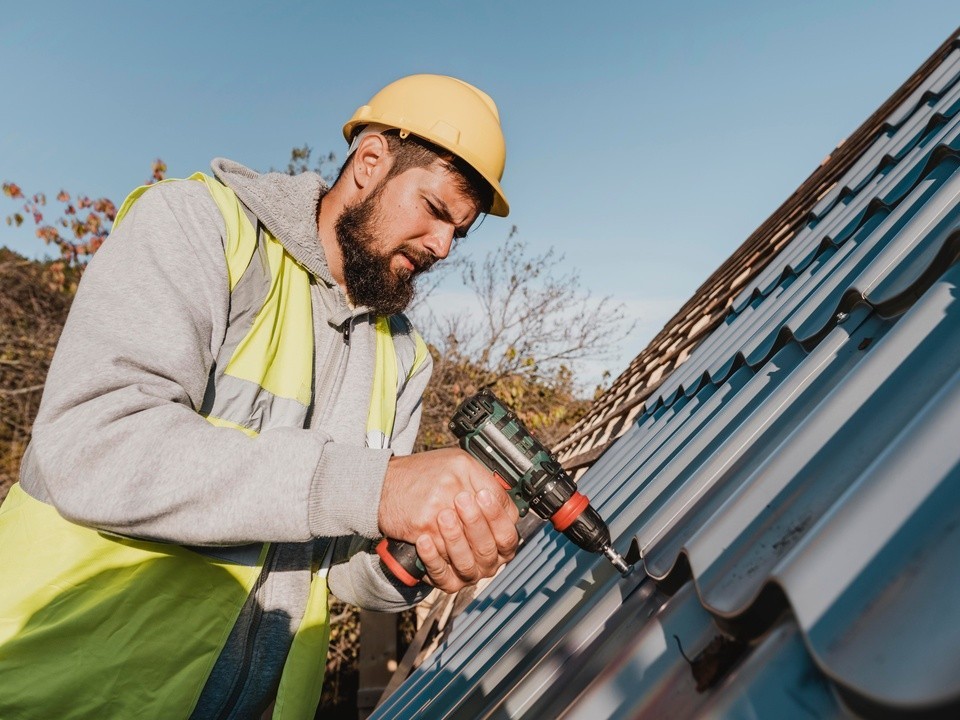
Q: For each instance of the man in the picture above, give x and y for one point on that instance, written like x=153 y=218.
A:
x=226 y=425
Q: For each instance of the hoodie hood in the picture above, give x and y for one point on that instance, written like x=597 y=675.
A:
x=286 y=205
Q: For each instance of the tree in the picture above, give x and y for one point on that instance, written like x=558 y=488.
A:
x=326 y=165
x=525 y=327
x=77 y=233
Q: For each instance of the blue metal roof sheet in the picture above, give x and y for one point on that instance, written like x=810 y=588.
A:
x=793 y=490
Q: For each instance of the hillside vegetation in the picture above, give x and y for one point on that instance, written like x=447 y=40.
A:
x=33 y=308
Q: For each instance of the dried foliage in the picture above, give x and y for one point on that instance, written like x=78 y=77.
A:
x=33 y=309
x=341 y=681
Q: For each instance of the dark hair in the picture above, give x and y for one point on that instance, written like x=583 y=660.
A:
x=413 y=152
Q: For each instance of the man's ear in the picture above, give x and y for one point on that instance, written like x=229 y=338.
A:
x=370 y=160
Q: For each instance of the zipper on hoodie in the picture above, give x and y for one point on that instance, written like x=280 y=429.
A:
x=253 y=629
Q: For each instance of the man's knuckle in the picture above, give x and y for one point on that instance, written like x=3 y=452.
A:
x=452 y=534
x=507 y=538
x=488 y=553
x=469 y=573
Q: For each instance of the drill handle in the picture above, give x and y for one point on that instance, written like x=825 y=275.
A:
x=400 y=559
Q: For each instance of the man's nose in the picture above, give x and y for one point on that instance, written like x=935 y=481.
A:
x=440 y=241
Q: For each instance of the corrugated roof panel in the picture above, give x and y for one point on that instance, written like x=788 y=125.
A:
x=944 y=73
x=776 y=680
x=781 y=395
x=804 y=476
x=886 y=186
x=894 y=146
x=794 y=489
x=816 y=292
x=887 y=191
x=940 y=92
x=528 y=692
x=650 y=676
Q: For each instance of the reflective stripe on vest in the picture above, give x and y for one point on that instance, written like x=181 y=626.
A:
x=85 y=597
x=264 y=373
x=393 y=367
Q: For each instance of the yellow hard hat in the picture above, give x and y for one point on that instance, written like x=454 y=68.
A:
x=449 y=113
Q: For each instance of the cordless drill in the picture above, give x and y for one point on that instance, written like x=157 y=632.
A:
x=527 y=471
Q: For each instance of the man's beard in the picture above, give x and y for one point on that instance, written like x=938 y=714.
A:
x=369 y=279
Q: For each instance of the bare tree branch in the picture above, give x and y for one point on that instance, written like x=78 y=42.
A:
x=531 y=326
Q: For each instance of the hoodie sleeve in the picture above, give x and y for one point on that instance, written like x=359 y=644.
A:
x=356 y=576
x=118 y=444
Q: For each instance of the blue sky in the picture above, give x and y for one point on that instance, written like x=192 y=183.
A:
x=645 y=140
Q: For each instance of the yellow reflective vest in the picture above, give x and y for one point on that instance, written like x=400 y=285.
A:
x=92 y=598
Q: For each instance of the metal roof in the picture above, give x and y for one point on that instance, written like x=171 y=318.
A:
x=841 y=172
x=791 y=491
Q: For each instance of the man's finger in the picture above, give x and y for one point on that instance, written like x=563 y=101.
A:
x=479 y=535
x=504 y=500
x=459 y=552
x=437 y=568
x=501 y=523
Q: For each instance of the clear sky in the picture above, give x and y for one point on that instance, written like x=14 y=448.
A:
x=645 y=140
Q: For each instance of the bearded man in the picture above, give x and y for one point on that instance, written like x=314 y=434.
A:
x=227 y=424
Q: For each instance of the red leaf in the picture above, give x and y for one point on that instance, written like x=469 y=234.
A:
x=48 y=234
x=12 y=190
x=106 y=207
x=63 y=196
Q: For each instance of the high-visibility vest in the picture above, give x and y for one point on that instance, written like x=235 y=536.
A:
x=152 y=618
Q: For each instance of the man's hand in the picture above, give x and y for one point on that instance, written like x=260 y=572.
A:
x=461 y=519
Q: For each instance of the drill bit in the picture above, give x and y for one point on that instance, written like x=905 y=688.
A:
x=617 y=559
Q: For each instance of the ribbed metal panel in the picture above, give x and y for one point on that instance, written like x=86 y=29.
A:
x=793 y=488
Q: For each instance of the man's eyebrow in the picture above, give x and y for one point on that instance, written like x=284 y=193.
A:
x=443 y=210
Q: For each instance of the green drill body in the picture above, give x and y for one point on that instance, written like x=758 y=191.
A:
x=529 y=473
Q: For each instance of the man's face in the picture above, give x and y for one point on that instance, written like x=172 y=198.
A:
x=405 y=225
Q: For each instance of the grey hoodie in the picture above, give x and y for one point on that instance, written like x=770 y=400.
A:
x=118 y=444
